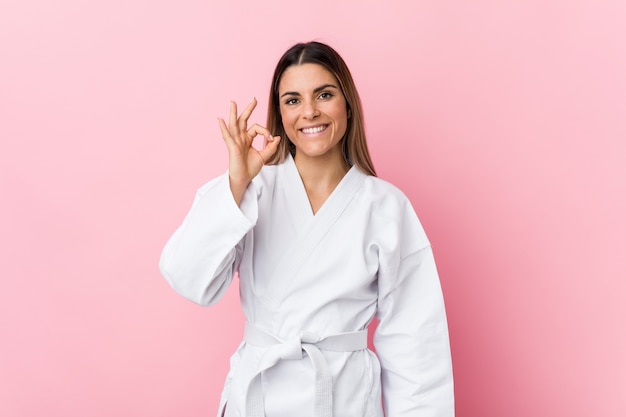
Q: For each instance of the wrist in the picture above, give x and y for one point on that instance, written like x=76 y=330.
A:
x=238 y=188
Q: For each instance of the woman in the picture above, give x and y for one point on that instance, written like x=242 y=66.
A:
x=321 y=246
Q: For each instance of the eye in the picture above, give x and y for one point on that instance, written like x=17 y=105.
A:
x=291 y=101
x=325 y=95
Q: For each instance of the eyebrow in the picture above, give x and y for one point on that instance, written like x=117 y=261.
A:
x=316 y=90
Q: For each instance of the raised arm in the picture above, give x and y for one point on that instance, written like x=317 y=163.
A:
x=244 y=160
x=200 y=258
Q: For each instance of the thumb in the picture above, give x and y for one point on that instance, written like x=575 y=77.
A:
x=270 y=148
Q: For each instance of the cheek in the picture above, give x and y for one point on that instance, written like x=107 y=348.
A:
x=341 y=113
x=289 y=126
x=286 y=119
x=342 y=117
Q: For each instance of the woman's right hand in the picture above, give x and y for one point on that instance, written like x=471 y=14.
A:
x=244 y=160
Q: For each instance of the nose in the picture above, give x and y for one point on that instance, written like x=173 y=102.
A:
x=310 y=110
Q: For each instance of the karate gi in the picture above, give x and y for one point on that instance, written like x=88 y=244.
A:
x=309 y=285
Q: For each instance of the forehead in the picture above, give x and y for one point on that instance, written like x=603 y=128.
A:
x=305 y=77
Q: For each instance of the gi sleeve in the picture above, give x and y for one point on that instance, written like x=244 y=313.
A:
x=200 y=258
x=411 y=339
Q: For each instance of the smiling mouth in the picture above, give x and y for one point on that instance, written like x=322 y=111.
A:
x=315 y=129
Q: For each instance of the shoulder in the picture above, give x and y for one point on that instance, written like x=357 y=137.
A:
x=384 y=195
x=392 y=214
x=383 y=186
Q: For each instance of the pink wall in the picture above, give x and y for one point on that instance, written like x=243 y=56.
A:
x=503 y=121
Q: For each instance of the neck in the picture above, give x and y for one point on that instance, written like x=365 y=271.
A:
x=321 y=174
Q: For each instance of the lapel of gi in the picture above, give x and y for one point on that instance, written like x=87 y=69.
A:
x=316 y=228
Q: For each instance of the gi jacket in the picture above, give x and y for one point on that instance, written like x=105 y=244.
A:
x=310 y=284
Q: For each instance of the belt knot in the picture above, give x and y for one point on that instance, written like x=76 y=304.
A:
x=311 y=343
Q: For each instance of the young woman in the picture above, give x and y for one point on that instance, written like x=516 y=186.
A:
x=321 y=246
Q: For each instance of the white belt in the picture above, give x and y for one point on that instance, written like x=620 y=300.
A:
x=292 y=349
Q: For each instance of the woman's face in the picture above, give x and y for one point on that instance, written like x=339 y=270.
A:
x=313 y=111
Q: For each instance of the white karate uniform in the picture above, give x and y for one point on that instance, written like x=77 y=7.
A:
x=310 y=284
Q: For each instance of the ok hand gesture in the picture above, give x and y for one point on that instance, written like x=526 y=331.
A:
x=244 y=160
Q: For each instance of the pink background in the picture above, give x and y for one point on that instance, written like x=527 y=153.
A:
x=504 y=122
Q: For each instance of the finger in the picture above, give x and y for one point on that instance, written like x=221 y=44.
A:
x=245 y=115
x=228 y=139
x=270 y=148
x=232 y=121
x=223 y=128
x=257 y=129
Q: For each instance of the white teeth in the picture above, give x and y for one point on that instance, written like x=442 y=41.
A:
x=313 y=129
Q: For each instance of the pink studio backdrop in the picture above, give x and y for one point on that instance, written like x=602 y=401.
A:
x=504 y=122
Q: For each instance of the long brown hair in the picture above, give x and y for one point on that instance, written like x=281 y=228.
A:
x=354 y=144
